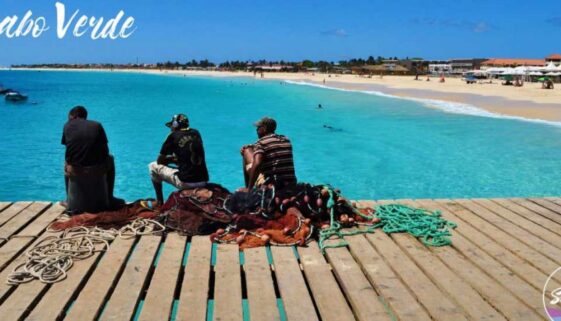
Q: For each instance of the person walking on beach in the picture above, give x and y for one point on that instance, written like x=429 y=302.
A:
x=184 y=147
x=269 y=160
x=87 y=154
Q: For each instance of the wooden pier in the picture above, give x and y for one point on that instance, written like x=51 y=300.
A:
x=503 y=251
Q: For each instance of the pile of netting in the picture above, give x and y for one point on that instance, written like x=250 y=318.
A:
x=266 y=215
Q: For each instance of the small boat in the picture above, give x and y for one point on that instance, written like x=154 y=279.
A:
x=14 y=96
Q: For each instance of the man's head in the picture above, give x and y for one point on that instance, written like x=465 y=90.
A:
x=78 y=112
x=178 y=121
x=265 y=126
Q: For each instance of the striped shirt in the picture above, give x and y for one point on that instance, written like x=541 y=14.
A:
x=278 y=164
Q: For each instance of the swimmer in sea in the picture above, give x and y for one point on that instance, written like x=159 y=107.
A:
x=319 y=106
x=331 y=128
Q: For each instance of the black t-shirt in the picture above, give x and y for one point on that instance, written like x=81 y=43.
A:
x=85 y=141
x=187 y=146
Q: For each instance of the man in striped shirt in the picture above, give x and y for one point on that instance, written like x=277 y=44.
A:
x=269 y=160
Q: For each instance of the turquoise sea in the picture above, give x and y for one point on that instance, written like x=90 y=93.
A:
x=378 y=147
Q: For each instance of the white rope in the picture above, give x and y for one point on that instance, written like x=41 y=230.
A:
x=51 y=258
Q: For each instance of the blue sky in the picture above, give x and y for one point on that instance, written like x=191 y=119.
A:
x=294 y=30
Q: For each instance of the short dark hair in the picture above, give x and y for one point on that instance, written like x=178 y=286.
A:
x=79 y=112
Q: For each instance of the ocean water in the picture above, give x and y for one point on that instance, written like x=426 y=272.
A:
x=377 y=147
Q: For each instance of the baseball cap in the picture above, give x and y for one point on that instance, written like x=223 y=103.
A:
x=178 y=120
x=269 y=123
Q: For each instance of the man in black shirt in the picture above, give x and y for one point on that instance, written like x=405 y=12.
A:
x=184 y=147
x=87 y=152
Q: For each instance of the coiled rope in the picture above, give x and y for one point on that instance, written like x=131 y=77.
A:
x=50 y=259
x=429 y=227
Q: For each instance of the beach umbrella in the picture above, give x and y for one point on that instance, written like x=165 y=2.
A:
x=535 y=73
x=508 y=71
x=507 y=77
x=553 y=73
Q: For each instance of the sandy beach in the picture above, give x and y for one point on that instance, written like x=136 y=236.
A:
x=529 y=101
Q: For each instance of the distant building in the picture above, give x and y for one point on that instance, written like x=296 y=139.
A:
x=555 y=58
x=459 y=66
x=439 y=68
x=272 y=68
x=512 y=62
x=385 y=69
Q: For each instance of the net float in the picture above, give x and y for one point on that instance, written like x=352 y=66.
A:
x=220 y=231
x=265 y=238
x=240 y=239
x=307 y=221
x=306 y=199
x=319 y=202
x=286 y=231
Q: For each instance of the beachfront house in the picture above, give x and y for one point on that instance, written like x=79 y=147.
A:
x=439 y=68
x=512 y=63
x=554 y=58
x=459 y=66
x=385 y=69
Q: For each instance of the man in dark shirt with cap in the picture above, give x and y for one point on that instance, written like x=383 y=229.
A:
x=270 y=159
x=184 y=147
x=87 y=152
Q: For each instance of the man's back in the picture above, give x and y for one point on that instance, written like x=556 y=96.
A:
x=86 y=142
x=187 y=145
x=278 y=163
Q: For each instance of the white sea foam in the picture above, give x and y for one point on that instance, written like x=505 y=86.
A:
x=446 y=106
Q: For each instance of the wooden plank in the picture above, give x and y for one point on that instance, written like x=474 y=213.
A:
x=3 y=206
x=4 y=286
x=458 y=289
x=360 y=293
x=541 y=207
x=438 y=304
x=228 y=284
x=554 y=200
x=159 y=299
x=484 y=251
x=385 y=281
x=19 y=241
x=554 y=253
x=194 y=290
x=260 y=290
x=526 y=213
x=22 y=300
x=123 y=300
x=52 y=304
x=523 y=221
x=495 y=235
x=92 y=297
x=552 y=215
x=297 y=302
x=491 y=290
x=326 y=293
x=22 y=219
x=12 y=211
x=549 y=204
x=24 y=296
